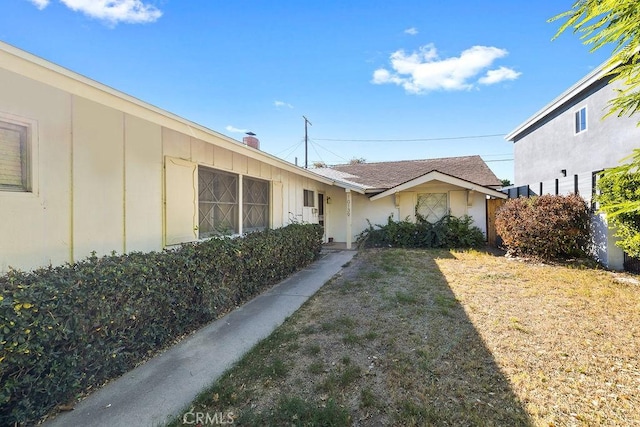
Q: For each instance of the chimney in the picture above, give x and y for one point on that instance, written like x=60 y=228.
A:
x=251 y=140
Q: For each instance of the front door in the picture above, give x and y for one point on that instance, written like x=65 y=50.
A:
x=321 y=209
x=321 y=216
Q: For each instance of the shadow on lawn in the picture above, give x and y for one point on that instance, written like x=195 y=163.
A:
x=459 y=381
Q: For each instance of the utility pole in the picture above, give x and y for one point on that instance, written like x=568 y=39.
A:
x=306 y=141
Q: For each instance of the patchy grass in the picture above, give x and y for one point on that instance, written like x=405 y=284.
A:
x=412 y=337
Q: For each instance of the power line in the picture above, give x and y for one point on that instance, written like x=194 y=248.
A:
x=291 y=151
x=306 y=140
x=326 y=149
x=296 y=145
x=316 y=150
x=411 y=140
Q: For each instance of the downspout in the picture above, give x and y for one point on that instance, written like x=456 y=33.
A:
x=71 y=182
x=349 y=205
x=240 y=203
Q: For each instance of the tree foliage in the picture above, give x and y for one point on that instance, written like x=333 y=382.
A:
x=614 y=23
x=619 y=198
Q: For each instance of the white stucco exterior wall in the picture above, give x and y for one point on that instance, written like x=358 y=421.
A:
x=401 y=206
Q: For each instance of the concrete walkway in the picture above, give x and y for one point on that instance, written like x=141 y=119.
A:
x=153 y=393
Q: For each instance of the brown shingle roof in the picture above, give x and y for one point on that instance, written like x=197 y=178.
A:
x=385 y=175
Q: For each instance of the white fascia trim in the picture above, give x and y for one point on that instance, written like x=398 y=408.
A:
x=347 y=186
x=438 y=176
x=581 y=85
x=41 y=70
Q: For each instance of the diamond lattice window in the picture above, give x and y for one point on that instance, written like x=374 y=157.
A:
x=255 y=204
x=432 y=206
x=217 y=202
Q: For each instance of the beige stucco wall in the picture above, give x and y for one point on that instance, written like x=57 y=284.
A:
x=401 y=206
x=99 y=182
x=35 y=228
x=98 y=178
x=143 y=182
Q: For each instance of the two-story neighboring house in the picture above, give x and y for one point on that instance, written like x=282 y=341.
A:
x=562 y=148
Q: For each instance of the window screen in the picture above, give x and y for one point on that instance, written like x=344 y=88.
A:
x=308 y=198
x=14 y=157
x=217 y=202
x=432 y=206
x=255 y=204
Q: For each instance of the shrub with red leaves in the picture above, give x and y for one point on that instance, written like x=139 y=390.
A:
x=547 y=227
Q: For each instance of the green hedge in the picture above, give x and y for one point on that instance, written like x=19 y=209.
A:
x=448 y=232
x=64 y=330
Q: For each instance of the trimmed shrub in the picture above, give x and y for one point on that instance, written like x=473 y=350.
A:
x=64 y=330
x=547 y=227
x=448 y=232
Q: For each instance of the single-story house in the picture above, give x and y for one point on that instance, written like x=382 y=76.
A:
x=85 y=168
x=563 y=148
x=432 y=187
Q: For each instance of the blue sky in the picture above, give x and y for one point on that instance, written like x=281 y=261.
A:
x=378 y=80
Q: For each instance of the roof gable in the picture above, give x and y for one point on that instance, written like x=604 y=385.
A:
x=385 y=175
x=441 y=177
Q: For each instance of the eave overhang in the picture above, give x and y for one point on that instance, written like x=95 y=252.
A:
x=440 y=177
x=593 y=77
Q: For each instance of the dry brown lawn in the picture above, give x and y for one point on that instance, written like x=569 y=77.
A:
x=413 y=337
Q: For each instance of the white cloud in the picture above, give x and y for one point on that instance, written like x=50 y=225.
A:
x=424 y=71
x=111 y=11
x=40 y=4
x=411 y=31
x=280 y=104
x=499 y=75
x=236 y=130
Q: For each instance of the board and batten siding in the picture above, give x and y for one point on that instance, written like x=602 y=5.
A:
x=107 y=174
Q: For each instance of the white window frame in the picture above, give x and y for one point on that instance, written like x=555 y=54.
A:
x=577 y=120
x=447 y=209
x=306 y=196
x=30 y=153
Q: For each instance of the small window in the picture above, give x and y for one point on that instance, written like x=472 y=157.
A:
x=15 y=161
x=309 y=199
x=581 y=120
